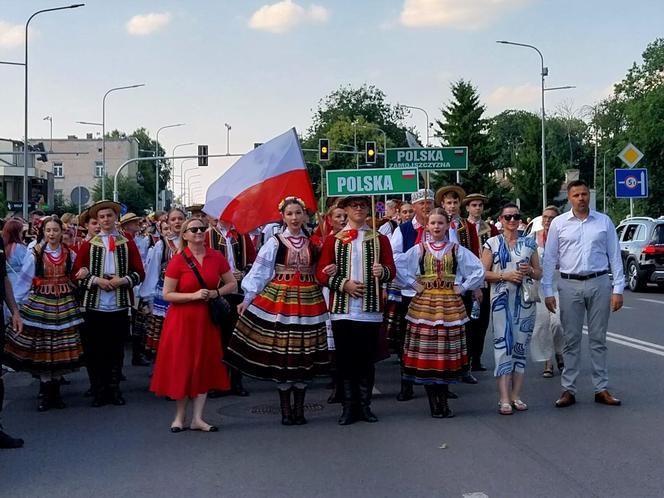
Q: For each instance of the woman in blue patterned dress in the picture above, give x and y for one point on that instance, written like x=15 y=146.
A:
x=509 y=258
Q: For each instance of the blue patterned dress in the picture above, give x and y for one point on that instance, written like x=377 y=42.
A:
x=512 y=319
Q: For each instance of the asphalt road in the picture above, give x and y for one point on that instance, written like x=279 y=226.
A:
x=587 y=450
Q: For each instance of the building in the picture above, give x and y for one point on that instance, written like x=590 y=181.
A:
x=40 y=186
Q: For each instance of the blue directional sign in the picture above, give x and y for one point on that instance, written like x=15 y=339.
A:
x=631 y=183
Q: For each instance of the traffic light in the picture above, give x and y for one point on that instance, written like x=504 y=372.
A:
x=371 y=152
x=202 y=155
x=323 y=149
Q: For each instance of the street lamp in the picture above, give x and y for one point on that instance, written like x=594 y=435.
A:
x=545 y=72
x=173 y=154
x=25 y=134
x=187 y=180
x=156 y=163
x=196 y=175
x=426 y=115
x=103 y=134
x=50 y=120
x=228 y=138
x=182 y=178
x=92 y=123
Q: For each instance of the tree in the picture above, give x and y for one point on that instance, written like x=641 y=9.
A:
x=130 y=193
x=463 y=124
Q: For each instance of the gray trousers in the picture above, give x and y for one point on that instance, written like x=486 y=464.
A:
x=578 y=298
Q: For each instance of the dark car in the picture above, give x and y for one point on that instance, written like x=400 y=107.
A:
x=642 y=249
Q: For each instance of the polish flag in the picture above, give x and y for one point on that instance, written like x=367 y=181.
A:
x=248 y=193
x=408 y=174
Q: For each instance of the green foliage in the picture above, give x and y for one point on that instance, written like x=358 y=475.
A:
x=130 y=194
x=3 y=205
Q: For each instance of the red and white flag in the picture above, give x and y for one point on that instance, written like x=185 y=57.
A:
x=248 y=193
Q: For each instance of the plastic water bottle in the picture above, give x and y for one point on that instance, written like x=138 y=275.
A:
x=475 y=312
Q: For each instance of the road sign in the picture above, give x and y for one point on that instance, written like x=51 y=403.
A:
x=630 y=155
x=631 y=183
x=79 y=194
x=379 y=181
x=428 y=158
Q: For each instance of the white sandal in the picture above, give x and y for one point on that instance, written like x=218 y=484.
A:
x=519 y=405
x=504 y=408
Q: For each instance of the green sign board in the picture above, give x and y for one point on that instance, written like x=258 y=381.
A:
x=428 y=158
x=344 y=182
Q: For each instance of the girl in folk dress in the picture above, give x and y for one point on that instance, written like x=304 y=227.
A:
x=50 y=344
x=435 y=346
x=152 y=289
x=281 y=333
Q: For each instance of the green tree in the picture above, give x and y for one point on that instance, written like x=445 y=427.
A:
x=130 y=193
x=463 y=124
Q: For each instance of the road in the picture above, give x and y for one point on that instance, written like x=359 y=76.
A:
x=587 y=450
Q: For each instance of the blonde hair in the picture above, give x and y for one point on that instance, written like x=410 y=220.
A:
x=185 y=226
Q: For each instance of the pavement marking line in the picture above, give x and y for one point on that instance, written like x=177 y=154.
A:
x=475 y=495
x=650 y=300
x=630 y=339
x=629 y=344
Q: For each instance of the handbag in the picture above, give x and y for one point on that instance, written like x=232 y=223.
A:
x=530 y=291
x=219 y=308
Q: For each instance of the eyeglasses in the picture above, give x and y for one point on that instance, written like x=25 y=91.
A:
x=510 y=217
x=196 y=229
x=357 y=205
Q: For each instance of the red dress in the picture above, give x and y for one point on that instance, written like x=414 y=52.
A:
x=189 y=361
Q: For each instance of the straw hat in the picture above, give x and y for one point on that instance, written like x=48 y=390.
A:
x=99 y=205
x=448 y=189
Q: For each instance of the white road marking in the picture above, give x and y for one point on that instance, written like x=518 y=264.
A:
x=475 y=494
x=650 y=300
x=649 y=347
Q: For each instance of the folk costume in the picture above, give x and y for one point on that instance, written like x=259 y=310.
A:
x=240 y=252
x=50 y=344
x=281 y=336
x=356 y=321
x=189 y=362
x=152 y=290
x=435 y=351
x=106 y=315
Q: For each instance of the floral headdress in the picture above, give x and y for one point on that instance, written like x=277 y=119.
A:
x=290 y=200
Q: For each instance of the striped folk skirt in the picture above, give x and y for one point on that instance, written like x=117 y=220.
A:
x=282 y=335
x=155 y=321
x=50 y=343
x=435 y=349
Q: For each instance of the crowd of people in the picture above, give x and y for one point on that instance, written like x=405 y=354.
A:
x=205 y=305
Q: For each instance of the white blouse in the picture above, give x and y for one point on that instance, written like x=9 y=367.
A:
x=153 y=270
x=24 y=282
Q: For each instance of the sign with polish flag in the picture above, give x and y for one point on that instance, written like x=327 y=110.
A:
x=248 y=193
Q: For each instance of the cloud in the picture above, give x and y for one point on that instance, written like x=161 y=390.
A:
x=11 y=35
x=514 y=97
x=146 y=24
x=283 y=16
x=469 y=15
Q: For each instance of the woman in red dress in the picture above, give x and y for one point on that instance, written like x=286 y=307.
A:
x=189 y=360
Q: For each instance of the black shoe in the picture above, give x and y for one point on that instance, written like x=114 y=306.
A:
x=451 y=395
x=7 y=442
x=468 y=379
x=42 y=397
x=434 y=407
x=406 y=392
x=366 y=388
x=298 y=406
x=214 y=394
x=55 y=399
x=140 y=361
x=442 y=393
x=236 y=384
x=285 y=404
x=348 y=414
x=367 y=415
x=117 y=399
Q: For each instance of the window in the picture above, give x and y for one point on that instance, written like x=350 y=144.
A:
x=619 y=231
x=640 y=233
x=99 y=169
x=628 y=236
x=58 y=170
x=658 y=234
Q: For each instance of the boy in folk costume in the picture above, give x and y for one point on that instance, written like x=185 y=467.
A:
x=107 y=267
x=362 y=262
x=240 y=252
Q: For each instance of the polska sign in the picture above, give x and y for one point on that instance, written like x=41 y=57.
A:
x=437 y=159
x=344 y=182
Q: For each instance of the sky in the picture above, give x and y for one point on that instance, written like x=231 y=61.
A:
x=263 y=65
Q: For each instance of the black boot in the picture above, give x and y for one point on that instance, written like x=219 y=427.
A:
x=285 y=403
x=55 y=399
x=114 y=393
x=42 y=397
x=366 y=388
x=336 y=396
x=348 y=414
x=138 y=358
x=433 y=401
x=236 y=383
x=406 y=392
x=445 y=410
x=298 y=406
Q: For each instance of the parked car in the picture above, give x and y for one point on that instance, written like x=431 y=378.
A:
x=642 y=249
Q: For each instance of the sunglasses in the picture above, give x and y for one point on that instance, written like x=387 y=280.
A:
x=357 y=205
x=510 y=217
x=196 y=229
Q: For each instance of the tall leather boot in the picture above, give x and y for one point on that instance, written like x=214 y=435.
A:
x=236 y=383
x=138 y=358
x=406 y=392
x=114 y=393
x=366 y=387
x=298 y=406
x=42 y=397
x=434 y=406
x=285 y=403
x=445 y=410
x=348 y=414
x=6 y=441
x=336 y=396
x=55 y=399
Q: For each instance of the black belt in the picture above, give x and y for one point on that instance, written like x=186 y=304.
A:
x=571 y=276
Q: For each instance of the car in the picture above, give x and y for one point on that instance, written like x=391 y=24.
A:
x=642 y=250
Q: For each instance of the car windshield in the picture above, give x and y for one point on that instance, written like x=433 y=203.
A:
x=658 y=234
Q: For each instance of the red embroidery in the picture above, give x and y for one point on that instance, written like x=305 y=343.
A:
x=349 y=236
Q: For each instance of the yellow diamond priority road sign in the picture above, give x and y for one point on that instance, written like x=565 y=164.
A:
x=630 y=155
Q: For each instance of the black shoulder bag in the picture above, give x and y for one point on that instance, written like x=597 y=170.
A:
x=219 y=308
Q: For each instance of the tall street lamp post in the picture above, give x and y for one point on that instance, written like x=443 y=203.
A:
x=173 y=154
x=182 y=178
x=103 y=134
x=156 y=163
x=195 y=175
x=25 y=116
x=228 y=138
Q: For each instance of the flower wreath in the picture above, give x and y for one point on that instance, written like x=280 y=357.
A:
x=291 y=199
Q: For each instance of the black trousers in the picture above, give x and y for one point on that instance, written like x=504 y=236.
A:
x=356 y=344
x=476 y=329
x=103 y=335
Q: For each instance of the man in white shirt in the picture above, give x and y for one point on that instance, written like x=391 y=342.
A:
x=584 y=244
